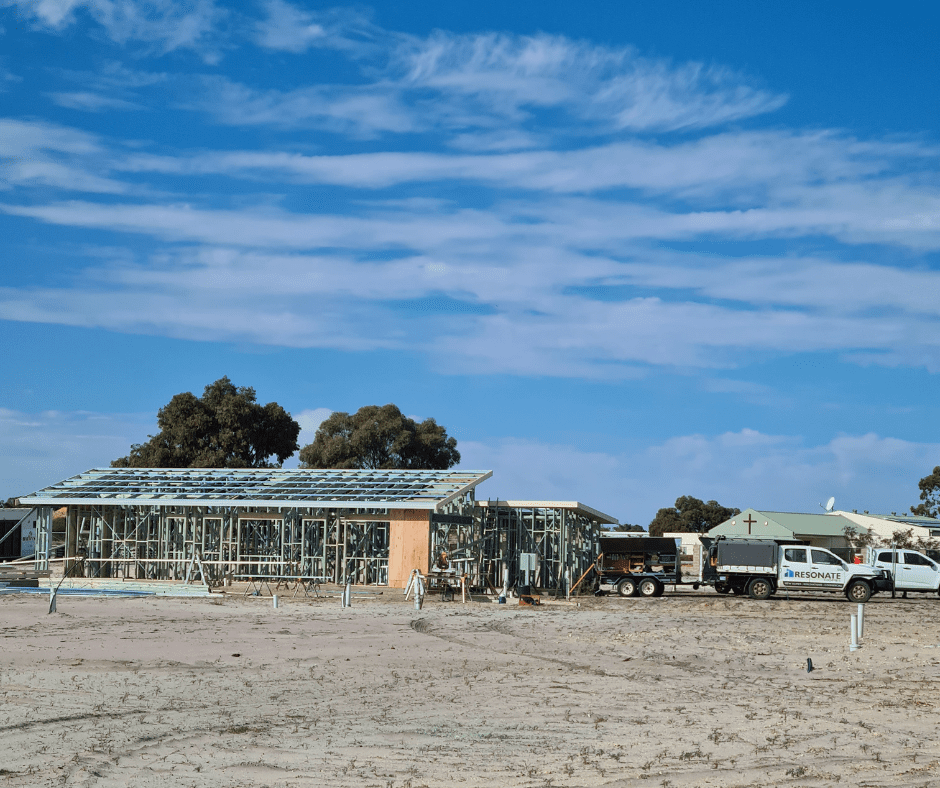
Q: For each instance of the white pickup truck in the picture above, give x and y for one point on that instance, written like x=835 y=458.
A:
x=761 y=567
x=910 y=570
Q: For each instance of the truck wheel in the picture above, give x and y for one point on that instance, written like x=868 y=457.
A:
x=648 y=587
x=759 y=588
x=858 y=591
x=721 y=588
x=660 y=589
x=626 y=587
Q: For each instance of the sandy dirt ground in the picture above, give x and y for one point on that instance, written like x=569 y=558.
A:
x=684 y=690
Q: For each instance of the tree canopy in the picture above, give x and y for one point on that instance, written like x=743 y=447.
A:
x=224 y=428
x=380 y=437
x=929 y=495
x=628 y=527
x=690 y=515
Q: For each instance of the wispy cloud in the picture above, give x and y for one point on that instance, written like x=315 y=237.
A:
x=485 y=85
x=44 y=154
x=520 y=202
x=362 y=111
x=91 y=102
x=508 y=76
x=523 y=313
x=162 y=23
x=288 y=28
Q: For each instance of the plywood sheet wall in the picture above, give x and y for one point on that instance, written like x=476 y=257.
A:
x=409 y=544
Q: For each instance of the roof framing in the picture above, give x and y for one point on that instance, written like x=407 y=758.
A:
x=379 y=489
x=575 y=506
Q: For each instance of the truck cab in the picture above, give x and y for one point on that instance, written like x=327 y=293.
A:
x=908 y=569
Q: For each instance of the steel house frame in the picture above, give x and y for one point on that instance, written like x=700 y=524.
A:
x=563 y=535
x=329 y=525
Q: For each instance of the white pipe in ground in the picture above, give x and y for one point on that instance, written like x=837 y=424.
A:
x=853 y=620
x=275 y=601
x=861 y=621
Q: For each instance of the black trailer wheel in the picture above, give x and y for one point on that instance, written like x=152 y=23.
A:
x=648 y=587
x=858 y=591
x=759 y=588
x=627 y=587
x=721 y=588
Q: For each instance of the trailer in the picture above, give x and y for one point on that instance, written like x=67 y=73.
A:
x=761 y=567
x=639 y=565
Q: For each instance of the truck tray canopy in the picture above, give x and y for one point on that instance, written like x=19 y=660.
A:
x=747 y=552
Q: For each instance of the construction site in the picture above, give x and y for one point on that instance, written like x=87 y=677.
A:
x=365 y=527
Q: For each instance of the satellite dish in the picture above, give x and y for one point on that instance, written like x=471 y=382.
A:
x=830 y=503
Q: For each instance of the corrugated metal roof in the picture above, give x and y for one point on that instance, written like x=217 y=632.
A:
x=811 y=524
x=260 y=486
x=775 y=524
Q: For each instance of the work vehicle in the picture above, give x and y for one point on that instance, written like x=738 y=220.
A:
x=908 y=569
x=639 y=565
x=761 y=567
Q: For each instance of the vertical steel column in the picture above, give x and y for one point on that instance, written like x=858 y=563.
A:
x=43 y=537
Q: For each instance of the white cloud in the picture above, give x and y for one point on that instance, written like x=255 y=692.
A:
x=744 y=469
x=362 y=111
x=34 y=153
x=523 y=299
x=90 y=102
x=164 y=23
x=487 y=83
x=509 y=76
x=288 y=28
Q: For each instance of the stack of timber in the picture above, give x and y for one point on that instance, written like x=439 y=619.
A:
x=20 y=576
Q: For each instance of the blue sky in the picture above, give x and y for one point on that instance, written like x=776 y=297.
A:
x=623 y=252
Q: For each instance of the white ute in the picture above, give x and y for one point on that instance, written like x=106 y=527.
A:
x=910 y=570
